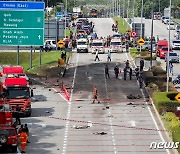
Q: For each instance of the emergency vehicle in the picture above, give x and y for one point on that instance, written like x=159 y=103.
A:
x=116 y=45
x=13 y=71
x=8 y=133
x=97 y=44
x=16 y=91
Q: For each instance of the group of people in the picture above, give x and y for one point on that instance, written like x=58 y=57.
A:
x=23 y=132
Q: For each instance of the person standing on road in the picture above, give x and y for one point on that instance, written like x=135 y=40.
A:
x=116 y=71
x=17 y=114
x=107 y=72
x=141 y=64
x=97 y=55
x=23 y=139
x=171 y=68
x=127 y=64
x=127 y=47
x=109 y=55
x=95 y=93
x=26 y=129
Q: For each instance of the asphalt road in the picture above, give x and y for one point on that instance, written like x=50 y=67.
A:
x=117 y=125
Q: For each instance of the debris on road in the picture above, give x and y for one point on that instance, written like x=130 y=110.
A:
x=133 y=97
x=89 y=124
x=100 y=133
x=130 y=103
x=80 y=127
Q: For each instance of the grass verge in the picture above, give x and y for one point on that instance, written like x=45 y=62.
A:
x=122 y=25
x=177 y=20
x=48 y=59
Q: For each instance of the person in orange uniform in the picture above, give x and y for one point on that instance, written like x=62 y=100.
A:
x=23 y=139
x=95 y=93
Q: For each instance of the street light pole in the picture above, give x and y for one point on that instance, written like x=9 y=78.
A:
x=167 y=61
x=119 y=8
x=151 y=34
x=133 y=21
x=141 y=20
x=65 y=18
x=123 y=10
x=127 y=15
x=159 y=6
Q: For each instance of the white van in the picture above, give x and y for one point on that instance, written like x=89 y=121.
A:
x=82 y=45
x=97 y=44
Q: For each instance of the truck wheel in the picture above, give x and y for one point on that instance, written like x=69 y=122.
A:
x=3 y=138
x=14 y=148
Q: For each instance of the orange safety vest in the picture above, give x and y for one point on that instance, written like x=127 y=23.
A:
x=23 y=137
x=95 y=92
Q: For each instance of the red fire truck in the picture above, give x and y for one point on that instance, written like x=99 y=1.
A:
x=16 y=91
x=13 y=71
x=8 y=133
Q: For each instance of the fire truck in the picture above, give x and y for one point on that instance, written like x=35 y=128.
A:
x=16 y=91
x=14 y=85
x=13 y=71
x=8 y=132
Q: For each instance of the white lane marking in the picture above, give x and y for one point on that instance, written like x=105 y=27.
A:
x=60 y=95
x=133 y=123
x=159 y=132
x=18 y=151
x=74 y=76
x=110 y=120
x=69 y=110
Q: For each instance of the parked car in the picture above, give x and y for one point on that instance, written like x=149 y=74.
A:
x=177 y=28
x=160 y=44
x=173 y=57
x=154 y=45
x=163 y=52
x=176 y=44
x=165 y=20
x=162 y=18
x=171 y=26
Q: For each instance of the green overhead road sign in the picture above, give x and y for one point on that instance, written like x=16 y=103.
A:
x=21 y=27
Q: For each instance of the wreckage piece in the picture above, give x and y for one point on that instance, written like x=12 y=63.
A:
x=100 y=133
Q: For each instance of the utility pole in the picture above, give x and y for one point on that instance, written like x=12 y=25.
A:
x=167 y=61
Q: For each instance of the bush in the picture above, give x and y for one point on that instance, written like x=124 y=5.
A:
x=162 y=101
x=157 y=70
x=169 y=116
x=149 y=58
